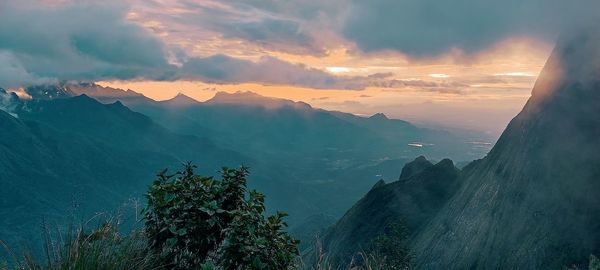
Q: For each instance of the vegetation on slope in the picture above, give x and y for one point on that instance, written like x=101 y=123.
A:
x=191 y=222
x=198 y=222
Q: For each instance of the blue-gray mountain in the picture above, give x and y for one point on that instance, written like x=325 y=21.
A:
x=333 y=157
x=63 y=149
x=63 y=154
x=532 y=203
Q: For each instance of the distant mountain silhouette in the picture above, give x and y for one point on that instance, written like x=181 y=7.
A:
x=252 y=99
x=50 y=91
x=180 y=100
x=295 y=151
x=308 y=147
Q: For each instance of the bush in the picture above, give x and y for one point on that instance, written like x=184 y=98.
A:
x=195 y=221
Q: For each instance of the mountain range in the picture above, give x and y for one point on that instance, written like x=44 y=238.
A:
x=79 y=144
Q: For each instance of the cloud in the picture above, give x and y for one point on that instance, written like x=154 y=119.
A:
x=386 y=80
x=431 y=27
x=14 y=74
x=75 y=41
x=107 y=40
x=268 y=70
x=92 y=41
x=268 y=31
x=272 y=25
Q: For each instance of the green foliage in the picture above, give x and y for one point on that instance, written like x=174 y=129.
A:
x=390 y=249
x=194 y=221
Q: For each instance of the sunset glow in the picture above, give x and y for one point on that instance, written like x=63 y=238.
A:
x=211 y=46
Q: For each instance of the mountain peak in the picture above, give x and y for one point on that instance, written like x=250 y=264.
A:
x=49 y=91
x=415 y=167
x=379 y=116
x=181 y=100
x=248 y=98
x=572 y=71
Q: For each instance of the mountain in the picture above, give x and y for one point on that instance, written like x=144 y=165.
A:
x=103 y=94
x=61 y=156
x=50 y=91
x=9 y=101
x=533 y=202
x=414 y=200
x=296 y=151
x=300 y=148
x=180 y=100
x=248 y=98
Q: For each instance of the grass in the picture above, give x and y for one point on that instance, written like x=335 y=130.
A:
x=362 y=261
x=103 y=247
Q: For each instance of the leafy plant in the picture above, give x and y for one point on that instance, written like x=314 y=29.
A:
x=194 y=221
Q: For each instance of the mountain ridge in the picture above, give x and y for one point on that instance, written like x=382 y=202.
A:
x=543 y=172
x=412 y=201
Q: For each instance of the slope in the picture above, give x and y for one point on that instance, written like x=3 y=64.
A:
x=413 y=200
x=533 y=202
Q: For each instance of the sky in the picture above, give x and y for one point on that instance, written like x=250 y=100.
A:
x=463 y=63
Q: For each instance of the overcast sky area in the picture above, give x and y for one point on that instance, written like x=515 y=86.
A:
x=463 y=63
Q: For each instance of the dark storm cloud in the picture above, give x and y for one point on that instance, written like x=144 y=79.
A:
x=76 y=41
x=91 y=41
x=431 y=27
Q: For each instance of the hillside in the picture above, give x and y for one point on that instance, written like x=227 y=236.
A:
x=533 y=202
x=76 y=156
x=413 y=200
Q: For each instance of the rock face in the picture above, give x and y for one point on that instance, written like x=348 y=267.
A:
x=413 y=200
x=534 y=201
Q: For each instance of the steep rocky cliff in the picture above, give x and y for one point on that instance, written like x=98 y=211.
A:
x=534 y=201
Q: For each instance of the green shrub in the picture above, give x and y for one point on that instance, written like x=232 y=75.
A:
x=195 y=221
